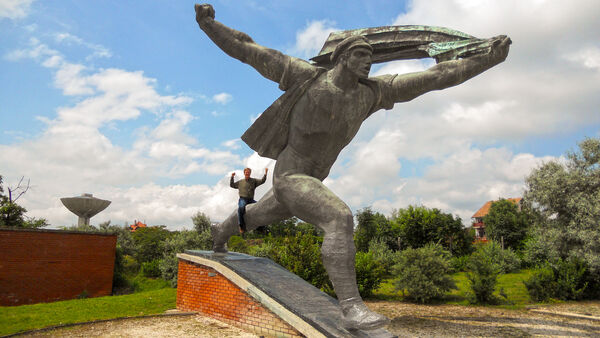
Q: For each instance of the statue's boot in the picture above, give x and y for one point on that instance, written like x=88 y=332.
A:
x=222 y=231
x=358 y=316
x=338 y=258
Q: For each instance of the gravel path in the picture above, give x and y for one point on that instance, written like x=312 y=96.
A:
x=408 y=320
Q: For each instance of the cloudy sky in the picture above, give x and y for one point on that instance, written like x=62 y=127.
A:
x=130 y=101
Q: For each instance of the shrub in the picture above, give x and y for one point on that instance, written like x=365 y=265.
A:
x=541 y=285
x=459 y=263
x=151 y=269
x=369 y=273
x=177 y=243
x=506 y=259
x=384 y=255
x=264 y=249
x=237 y=244
x=301 y=254
x=424 y=273
x=483 y=275
x=566 y=280
x=537 y=252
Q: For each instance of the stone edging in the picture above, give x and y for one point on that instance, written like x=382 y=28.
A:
x=565 y=314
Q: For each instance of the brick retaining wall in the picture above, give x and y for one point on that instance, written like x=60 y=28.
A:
x=49 y=265
x=203 y=289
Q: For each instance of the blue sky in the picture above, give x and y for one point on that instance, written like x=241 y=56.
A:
x=131 y=101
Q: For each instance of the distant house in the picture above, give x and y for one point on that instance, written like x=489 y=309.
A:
x=136 y=225
x=477 y=218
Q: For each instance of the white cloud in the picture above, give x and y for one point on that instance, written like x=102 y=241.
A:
x=588 y=57
x=14 y=9
x=99 y=51
x=310 y=40
x=222 y=98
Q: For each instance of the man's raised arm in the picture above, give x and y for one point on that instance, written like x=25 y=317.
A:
x=268 y=62
x=449 y=73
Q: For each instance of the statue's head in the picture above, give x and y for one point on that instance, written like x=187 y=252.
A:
x=247 y=172
x=355 y=53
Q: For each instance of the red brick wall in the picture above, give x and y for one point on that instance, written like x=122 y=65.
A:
x=49 y=265
x=201 y=288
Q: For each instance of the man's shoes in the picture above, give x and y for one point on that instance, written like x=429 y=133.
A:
x=242 y=229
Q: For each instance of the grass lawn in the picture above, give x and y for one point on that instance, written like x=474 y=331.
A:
x=512 y=284
x=15 y=319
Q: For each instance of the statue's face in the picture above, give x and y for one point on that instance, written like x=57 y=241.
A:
x=247 y=173
x=358 y=61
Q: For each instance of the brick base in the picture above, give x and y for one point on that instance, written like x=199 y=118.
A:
x=203 y=289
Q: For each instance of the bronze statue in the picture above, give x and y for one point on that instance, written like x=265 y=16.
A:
x=319 y=113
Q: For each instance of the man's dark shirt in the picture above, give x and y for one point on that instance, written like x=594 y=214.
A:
x=246 y=186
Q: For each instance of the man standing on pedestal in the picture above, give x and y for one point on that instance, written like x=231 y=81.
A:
x=246 y=189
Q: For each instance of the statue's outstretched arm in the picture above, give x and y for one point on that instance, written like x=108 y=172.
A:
x=268 y=62
x=449 y=73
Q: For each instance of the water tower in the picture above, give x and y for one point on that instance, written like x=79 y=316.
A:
x=84 y=206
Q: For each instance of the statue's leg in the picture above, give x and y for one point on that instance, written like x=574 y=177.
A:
x=307 y=198
x=263 y=212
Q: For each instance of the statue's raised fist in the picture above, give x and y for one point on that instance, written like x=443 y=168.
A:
x=204 y=11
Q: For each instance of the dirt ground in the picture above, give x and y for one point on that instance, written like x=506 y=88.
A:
x=408 y=320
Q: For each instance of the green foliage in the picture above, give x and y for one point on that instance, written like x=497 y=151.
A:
x=507 y=260
x=177 y=243
x=419 y=226
x=150 y=269
x=484 y=269
x=369 y=273
x=301 y=254
x=460 y=264
x=566 y=280
x=201 y=222
x=505 y=221
x=374 y=226
x=238 y=244
x=149 y=243
x=384 y=255
x=424 y=273
x=538 y=252
x=565 y=199
x=14 y=319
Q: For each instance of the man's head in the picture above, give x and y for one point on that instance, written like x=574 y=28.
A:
x=355 y=54
x=247 y=172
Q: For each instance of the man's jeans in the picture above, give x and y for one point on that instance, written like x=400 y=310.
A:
x=242 y=210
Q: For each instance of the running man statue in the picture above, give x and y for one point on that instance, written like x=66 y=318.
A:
x=305 y=129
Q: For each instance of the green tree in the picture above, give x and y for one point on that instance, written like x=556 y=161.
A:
x=201 y=222
x=565 y=198
x=149 y=243
x=374 y=226
x=420 y=226
x=178 y=243
x=506 y=223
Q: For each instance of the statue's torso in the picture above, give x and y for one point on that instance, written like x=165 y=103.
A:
x=323 y=121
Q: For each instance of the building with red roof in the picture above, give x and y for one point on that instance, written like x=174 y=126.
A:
x=477 y=218
x=136 y=225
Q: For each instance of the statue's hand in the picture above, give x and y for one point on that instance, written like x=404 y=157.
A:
x=500 y=47
x=204 y=11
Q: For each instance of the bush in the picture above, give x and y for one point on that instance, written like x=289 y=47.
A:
x=264 y=249
x=541 y=286
x=506 y=259
x=386 y=257
x=151 y=269
x=178 y=243
x=483 y=275
x=369 y=273
x=460 y=264
x=424 y=273
x=301 y=254
x=538 y=252
x=238 y=244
